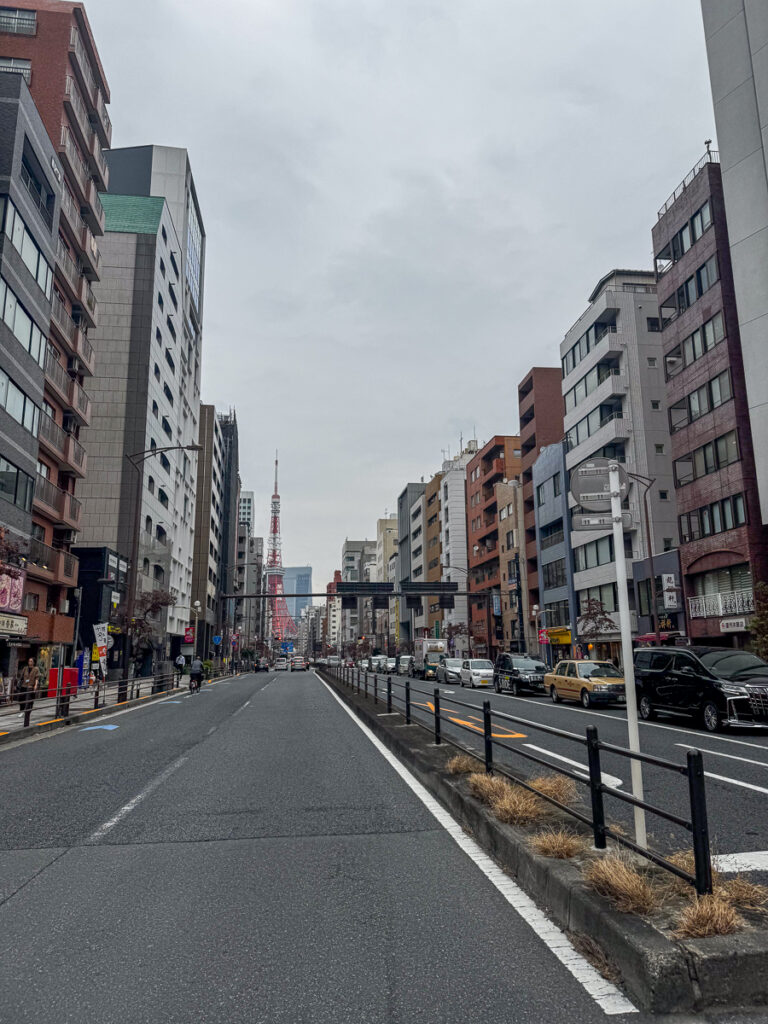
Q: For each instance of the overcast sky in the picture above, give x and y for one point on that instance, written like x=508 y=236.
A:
x=407 y=203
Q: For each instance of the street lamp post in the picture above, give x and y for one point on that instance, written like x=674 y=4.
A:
x=196 y=607
x=137 y=460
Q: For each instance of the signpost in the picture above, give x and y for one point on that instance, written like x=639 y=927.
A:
x=600 y=485
x=100 y=636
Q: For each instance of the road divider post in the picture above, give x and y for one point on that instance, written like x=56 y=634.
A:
x=596 y=787
x=407 y=701
x=437 y=715
x=699 y=824
x=389 y=695
x=488 y=737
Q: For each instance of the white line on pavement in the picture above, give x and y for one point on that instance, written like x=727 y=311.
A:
x=731 y=862
x=717 y=753
x=609 y=780
x=606 y=995
x=126 y=809
x=736 y=782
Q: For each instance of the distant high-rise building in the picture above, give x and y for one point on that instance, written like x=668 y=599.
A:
x=206 y=578
x=246 y=509
x=297 y=580
x=229 y=516
x=405 y=503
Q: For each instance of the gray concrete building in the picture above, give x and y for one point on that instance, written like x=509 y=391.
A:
x=209 y=506
x=141 y=403
x=614 y=394
x=30 y=176
x=453 y=543
x=405 y=501
x=356 y=557
x=297 y=579
x=229 y=522
x=736 y=33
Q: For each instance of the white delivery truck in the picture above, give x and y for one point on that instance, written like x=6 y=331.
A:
x=427 y=658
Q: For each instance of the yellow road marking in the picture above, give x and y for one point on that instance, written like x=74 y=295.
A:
x=49 y=722
x=471 y=725
x=5 y=734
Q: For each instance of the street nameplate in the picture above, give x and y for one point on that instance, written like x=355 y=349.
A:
x=598 y=521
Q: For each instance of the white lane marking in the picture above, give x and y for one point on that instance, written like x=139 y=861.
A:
x=610 y=1000
x=541 y=703
x=717 y=753
x=727 y=862
x=736 y=782
x=126 y=809
x=242 y=707
x=609 y=780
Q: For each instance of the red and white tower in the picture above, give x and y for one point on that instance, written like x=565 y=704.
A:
x=281 y=625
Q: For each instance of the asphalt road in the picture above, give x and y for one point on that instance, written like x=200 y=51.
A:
x=248 y=855
x=736 y=761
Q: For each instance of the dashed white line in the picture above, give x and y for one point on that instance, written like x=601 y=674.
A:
x=606 y=995
x=126 y=809
x=609 y=780
x=736 y=782
x=717 y=753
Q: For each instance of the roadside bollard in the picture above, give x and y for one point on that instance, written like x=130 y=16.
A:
x=407 y=701
x=699 y=826
x=389 y=695
x=437 y=715
x=375 y=688
x=488 y=737
x=365 y=683
x=596 y=787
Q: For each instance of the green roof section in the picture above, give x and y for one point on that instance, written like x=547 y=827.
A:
x=132 y=215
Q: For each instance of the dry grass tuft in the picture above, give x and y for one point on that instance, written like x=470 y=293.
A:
x=558 y=787
x=592 y=952
x=518 y=806
x=559 y=843
x=463 y=764
x=743 y=892
x=614 y=877
x=488 y=788
x=706 y=916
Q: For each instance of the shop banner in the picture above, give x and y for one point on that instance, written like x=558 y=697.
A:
x=100 y=636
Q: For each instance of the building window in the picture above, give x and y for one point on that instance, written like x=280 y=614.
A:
x=18 y=405
x=554 y=574
x=655 y=404
x=17 y=65
x=157 y=372
x=589 y=383
x=709 y=458
x=16 y=486
x=652 y=361
x=668 y=543
x=659 y=449
x=21 y=325
x=18 y=22
x=597 y=552
x=155 y=409
x=694 y=346
x=605 y=594
x=557 y=484
x=652 y=324
x=557 y=614
x=581 y=349
x=690 y=233
x=31 y=601
x=541 y=495
x=663 y=495
x=718 y=517
x=160 y=302
x=167 y=427
x=698 y=403
x=27 y=248
x=685 y=296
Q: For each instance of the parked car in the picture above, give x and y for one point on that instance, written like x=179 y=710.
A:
x=334 y=661
x=391 y=665
x=405 y=665
x=716 y=685
x=449 y=669
x=263 y=665
x=281 y=664
x=476 y=672
x=516 y=672
x=298 y=664
x=590 y=682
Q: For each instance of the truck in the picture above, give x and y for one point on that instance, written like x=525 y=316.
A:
x=427 y=658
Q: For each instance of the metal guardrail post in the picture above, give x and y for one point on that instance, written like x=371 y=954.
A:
x=389 y=695
x=437 y=715
x=488 y=737
x=375 y=688
x=699 y=822
x=365 y=683
x=407 y=701
x=596 y=787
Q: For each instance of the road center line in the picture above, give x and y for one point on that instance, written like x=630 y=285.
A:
x=610 y=1000
x=609 y=780
x=716 y=753
x=126 y=809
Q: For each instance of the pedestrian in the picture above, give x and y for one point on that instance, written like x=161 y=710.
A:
x=180 y=663
x=27 y=689
x=4 y=685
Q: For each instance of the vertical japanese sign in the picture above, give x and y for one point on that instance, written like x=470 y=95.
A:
x=100 y=636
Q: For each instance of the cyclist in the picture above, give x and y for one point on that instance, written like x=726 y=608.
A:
x=195 y=675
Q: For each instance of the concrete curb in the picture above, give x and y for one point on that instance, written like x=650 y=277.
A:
x=90 y=715
x=659 y=974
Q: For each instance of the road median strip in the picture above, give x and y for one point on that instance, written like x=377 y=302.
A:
x=661 y=968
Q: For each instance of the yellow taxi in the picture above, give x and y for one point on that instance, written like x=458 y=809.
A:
x=590 y=682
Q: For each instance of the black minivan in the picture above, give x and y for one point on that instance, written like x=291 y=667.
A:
x=717 y=685
x=515 y=672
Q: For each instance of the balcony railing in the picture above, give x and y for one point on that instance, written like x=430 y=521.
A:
x=51 y=432
x=72 y=93
x=37 y=197
x=65 y=505
x=706 y=606
x=57 y=374
x=712 y=156
x=66 y=324
x=76 y=43
x=76 y=161
x=17 y=24
x=552 y=539
x=68 y=265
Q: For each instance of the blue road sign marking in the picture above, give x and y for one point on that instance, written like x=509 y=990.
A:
x=93 y=728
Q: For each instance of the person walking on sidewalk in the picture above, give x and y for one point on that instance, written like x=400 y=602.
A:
x=180 y=663
x=26 y=690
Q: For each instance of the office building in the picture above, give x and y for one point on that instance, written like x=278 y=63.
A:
x=736 y=36
x=453 y=545
x=333 y=621
x=509 y=502
x=254 y=610
x=356 y=557
x=721 y=534
x=246 y=509
x=209 y=518
x=556 y=622
x=386 y=547
x=433 y=553
x=50 y=45
x=496 y=462
x=297 y=580
x=230 y=511
x=614 y=394
x=418 y=521
x=410 y=493
x=540 y=402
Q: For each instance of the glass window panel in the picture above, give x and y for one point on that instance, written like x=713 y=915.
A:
x=685 y=238
x=14 y=404
x=3 y=388
x=691 y=293
x=710 y=461
x=727 y=449
x=706 y=522
x=7 y=480
x=23 y=328
x=706 y=215
x=678 y=416
x=695 y=525
x=727 y=507
x=29 y=253
x=18 y=232
x=739 y=509
x=717 y=518
x=684 y=470
x=10 y=309
x=699 y=463
x=718 y=327
x=685 y=535
x=697 y=227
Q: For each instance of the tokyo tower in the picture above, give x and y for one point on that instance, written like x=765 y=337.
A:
x=281 y=625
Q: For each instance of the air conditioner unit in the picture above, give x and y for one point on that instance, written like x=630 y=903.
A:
x=73 y=365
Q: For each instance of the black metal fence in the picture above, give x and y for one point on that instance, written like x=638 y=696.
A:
x=398 y=694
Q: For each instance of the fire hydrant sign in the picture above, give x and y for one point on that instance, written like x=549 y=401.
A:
x=100 y=636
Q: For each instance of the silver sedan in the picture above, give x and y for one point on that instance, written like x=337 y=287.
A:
x=449 y=670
